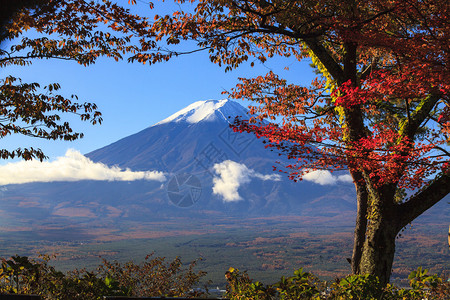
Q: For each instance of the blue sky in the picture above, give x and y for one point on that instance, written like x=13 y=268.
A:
x=135 y=96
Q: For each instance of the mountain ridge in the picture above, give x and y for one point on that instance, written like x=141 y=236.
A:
x=206 y=110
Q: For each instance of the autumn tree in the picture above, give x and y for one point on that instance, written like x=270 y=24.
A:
x=76 y=30
x=379 y=106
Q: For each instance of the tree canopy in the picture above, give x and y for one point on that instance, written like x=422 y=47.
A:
x=379 y=106
x=75 y=30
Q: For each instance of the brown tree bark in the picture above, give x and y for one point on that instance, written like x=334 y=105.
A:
x=379 y=249
x=387 y=218
x=360 y=226
x=379 y=246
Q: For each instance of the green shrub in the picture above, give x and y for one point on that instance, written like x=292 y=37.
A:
x=157 y=278
x=153 y=278
x=304 y=285
x=424 y=286
x=240 y=286
x=357 y=287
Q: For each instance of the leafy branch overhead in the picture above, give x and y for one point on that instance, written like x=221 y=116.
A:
x=80 y=31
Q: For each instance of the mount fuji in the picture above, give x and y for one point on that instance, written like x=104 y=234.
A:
x=209 y=172
x=234 y=170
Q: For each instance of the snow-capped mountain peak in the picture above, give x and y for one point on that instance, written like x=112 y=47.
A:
x=209 y=110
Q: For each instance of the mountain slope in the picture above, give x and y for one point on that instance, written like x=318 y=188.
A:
x=196 y=138
x=181 y=140
x=210 y=170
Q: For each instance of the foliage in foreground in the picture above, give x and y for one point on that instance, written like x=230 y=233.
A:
x=155 y=277
x=304 y=285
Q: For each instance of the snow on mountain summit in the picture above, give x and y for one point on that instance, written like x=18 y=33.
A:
x=209 y=110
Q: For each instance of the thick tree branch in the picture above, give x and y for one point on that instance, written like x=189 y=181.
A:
x=410 y=125
x=422 y=201
x=368 y=70
x=326 y=59
x=374 y=17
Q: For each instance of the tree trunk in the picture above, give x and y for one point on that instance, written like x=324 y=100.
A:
x=379 y=249
x=382 y=228
x=360 y=226
x=385 y=219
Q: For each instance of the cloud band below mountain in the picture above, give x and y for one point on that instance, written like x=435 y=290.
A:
x=72 y=167
x=324 y=177
x=231 y=175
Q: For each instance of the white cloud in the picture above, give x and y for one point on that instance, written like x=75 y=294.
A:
x=72 y=167
x=231 y=176
x=345 y=178
x=324 y=177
